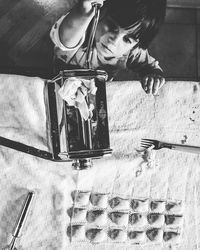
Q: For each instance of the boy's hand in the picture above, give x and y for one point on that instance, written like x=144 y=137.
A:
x=88 y=4
x=152 y=83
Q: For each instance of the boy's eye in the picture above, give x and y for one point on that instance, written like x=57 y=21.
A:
x=130 y=40
x=127 y=39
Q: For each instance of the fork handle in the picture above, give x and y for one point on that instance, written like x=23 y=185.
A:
x=184 y=148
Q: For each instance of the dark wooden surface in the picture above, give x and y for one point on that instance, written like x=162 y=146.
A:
x=24 y=32
x=25 y=45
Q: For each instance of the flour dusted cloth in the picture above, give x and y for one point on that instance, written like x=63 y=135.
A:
x=23 y=119
x=104 y=193
x=74 y=92
x=169 y=190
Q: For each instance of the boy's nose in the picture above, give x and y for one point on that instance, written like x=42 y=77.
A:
x=114 y=37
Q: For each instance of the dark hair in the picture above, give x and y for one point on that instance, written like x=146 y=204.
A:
x=127 y=13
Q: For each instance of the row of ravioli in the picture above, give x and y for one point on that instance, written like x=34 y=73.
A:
x=123 y=218
x=106 y=201
x=99 y=235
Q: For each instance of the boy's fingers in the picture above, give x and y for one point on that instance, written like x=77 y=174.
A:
x=156 y=86
x=150 y=85
x=162 y=82
x=144 y=83
x=88 y=4
x=101 y=2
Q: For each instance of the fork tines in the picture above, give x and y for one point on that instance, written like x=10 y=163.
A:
x=146 y=143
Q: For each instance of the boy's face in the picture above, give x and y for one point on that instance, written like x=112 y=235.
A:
x=112 y=41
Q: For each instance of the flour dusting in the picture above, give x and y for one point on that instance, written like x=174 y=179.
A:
x=149 y=160
x=109 y=200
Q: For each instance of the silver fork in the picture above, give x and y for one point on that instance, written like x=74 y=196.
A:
x=146 y=143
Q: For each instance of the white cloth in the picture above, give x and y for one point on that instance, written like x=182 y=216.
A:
x=172 y=116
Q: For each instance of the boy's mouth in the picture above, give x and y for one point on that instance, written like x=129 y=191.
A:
x=105 y=47
x=105 y=53
x=108 y=58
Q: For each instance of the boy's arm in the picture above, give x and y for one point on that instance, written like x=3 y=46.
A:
x=75 y=24
x=149 y=70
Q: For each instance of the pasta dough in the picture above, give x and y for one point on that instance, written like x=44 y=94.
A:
x=117 y=235
x=174 y=207
x=76 y=232
x=99 y=200
x=119 y=203
x=96 y=235
x=80 y=198
x=157 y=220
x=157 y=206
x=173 y=237
x=173 y=220
x=97 y=216
x=139 y=205
x=155 y=234
x=137 y=236
x=137 y=219
x=77 y=214
x=119 y=218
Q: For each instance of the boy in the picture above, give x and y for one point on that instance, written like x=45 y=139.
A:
x=124 y=31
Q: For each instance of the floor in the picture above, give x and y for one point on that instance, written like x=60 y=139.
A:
x=25 y=45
